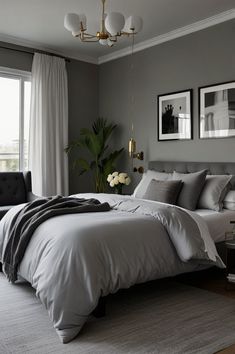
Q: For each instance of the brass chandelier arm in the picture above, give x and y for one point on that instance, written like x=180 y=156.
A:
x=113 y=38
x=104 y=34
x=128 y=34
x=77 y=24
x=89 y=40
x=103 y=17
x=85 y=35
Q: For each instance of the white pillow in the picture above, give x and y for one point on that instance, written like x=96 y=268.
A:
x=147 y=177
x=229 y=200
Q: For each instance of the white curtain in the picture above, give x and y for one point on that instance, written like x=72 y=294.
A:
x=48 y=134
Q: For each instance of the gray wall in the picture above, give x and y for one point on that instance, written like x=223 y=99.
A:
x=83 y=110
x=15 y=60
x=83 y=99
x=202 y=58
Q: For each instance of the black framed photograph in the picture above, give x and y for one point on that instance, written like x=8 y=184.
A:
x=217 y=110
x=175 y=116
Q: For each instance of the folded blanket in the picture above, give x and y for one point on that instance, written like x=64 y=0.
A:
x=31 y=216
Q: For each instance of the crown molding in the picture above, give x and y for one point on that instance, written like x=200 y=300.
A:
x=179 y=32
x=36 y=45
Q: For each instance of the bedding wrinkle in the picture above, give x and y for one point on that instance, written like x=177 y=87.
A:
x=218 y=223
x=72 y=260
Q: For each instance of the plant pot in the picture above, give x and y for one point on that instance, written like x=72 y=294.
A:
x=118 y=189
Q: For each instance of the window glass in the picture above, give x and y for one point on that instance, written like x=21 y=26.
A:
x=9 y=124
x=14 y=122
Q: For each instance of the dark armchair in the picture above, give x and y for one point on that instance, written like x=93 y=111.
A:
x=15 y=188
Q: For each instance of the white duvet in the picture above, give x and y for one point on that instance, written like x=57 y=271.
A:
x=73 y=260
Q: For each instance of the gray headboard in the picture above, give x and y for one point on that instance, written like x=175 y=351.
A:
x=214 y=168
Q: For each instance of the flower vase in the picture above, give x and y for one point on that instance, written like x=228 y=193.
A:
x=118 y=189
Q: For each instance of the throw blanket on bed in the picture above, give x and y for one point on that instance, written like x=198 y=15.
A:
x=31 y=216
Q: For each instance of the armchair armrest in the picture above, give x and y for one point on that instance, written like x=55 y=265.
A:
x=31 y=197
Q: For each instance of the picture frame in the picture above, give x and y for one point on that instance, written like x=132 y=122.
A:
x=217 y=110
x=175 y=121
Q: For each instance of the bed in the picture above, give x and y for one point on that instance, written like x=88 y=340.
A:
x=74 y=260
x=218 y=223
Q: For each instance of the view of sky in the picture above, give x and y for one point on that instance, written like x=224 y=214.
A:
x=9 y=110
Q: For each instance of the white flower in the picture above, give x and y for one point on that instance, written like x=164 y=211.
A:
x=116 y=180
x=112 y=183
x=114 y=174
x=110 y=177
x=128 y=181
x=121 y=179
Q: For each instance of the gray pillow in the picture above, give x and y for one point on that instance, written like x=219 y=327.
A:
x=214 y=191
x=141 y=188
x=229 y=200
x=163 y=191
x=192 y=187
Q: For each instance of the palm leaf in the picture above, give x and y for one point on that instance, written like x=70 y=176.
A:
x=109 y=161
x=95 y=141
x=99 y=125
x=72 y=145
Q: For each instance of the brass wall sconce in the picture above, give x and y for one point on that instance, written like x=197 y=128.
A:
x=135 y=155
x=138 y=169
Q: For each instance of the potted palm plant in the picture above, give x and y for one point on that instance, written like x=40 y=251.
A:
x=101 y=162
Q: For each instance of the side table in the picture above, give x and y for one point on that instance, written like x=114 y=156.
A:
x=230 y=261
x=230 y=255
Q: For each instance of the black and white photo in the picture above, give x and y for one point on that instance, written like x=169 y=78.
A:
x=217 y=110
x=175 y=116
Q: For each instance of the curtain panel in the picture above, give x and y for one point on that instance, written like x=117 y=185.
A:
x=48 y=135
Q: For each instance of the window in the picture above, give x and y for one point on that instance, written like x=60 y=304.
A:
x=15 y=90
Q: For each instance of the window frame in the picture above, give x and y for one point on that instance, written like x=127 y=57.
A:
x=22 y=76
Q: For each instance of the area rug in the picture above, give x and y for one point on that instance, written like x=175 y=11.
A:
x=162 y=317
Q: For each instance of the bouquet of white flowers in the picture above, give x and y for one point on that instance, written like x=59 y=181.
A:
x=117 y=180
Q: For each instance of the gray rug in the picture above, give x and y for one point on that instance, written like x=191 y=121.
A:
x=162 y=317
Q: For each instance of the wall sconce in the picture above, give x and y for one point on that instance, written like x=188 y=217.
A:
x=135 y=155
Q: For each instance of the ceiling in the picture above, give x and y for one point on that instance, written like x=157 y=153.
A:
x=39 y=23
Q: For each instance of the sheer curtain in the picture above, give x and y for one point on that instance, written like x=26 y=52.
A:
x=48 y=134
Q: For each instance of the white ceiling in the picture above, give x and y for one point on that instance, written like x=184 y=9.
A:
x=39 y=23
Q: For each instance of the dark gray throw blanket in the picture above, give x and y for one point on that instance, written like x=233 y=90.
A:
x=31 y=216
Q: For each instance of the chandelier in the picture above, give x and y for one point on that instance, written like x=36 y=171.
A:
x=113 y=25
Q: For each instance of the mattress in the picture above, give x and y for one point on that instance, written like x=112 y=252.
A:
x=217 y=222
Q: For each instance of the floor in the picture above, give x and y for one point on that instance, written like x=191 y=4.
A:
x=230 y=350
x=214 y=280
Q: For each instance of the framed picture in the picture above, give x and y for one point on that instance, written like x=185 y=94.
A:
x=217 y=110
x=175 y=116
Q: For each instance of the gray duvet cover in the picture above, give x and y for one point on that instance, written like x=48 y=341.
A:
x=72 y=260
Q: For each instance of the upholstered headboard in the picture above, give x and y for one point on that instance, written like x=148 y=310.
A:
x=214 y=168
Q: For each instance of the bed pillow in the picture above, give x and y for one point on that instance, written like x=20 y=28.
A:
x=163 y=191
x=229 y=200
x=214 y=191
x=191 y=189
x=141 y=188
